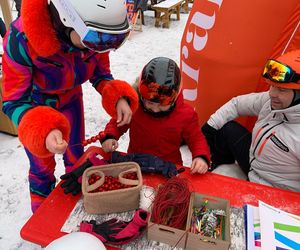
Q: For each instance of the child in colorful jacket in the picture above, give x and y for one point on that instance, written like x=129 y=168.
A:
x=163 y=122
x=49 y=52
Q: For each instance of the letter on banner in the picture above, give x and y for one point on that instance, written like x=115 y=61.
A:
x=224 y=47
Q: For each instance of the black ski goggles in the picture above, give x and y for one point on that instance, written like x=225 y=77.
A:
x=280 y=72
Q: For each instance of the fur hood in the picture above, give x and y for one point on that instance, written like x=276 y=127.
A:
x=38 y=28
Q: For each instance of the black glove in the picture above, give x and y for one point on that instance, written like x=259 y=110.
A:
x=148 y=163
x=71 y=183
x=210 y=134
x=105 y=231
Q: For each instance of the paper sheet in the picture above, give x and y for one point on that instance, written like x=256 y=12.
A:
x=279 y=230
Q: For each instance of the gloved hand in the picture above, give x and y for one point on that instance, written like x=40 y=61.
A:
x=148 y=163
x=116 y=231
x=210 y=134
x=71 y=183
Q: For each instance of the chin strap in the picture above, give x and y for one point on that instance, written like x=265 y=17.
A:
x=158 y=114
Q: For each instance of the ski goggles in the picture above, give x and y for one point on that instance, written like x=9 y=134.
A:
x=103 y=41
x=97 y=37
x=280 y=72
x=154 y=92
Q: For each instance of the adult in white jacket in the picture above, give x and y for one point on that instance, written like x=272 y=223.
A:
x=271 y=153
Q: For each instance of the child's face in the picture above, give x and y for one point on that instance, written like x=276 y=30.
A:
x=155 y=107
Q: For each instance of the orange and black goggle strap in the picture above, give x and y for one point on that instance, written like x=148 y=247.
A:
x=279 y=72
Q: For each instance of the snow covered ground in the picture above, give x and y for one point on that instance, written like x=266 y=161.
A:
x=126 y=64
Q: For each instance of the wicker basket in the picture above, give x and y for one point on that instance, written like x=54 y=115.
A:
x=113 y=201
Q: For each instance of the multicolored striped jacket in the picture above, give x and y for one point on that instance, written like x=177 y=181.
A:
x=30 y=80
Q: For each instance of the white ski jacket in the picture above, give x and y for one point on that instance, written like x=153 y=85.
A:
x=275 y=147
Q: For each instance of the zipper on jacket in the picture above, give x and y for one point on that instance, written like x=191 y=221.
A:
x=264 y=135
x=263 y=144
x=260 y=140
x=258 y=132
x=87 y=59
x=51 y=62
x=250 y=163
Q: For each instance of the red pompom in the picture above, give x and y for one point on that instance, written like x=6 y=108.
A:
x=112 y=91
x=36 y=125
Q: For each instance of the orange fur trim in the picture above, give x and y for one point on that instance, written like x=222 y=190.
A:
x=36 y=125
x=112 y=91
x=38 y=27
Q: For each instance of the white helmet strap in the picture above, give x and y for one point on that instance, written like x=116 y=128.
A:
x=69 y=17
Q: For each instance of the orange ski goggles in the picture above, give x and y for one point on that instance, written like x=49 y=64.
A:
x=279 y=72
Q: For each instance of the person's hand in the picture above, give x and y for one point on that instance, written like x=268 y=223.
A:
x=199 y=166
x=210 y=134
x=109 y=145
x=71 y=182
x=124 y=112
x=55 y=142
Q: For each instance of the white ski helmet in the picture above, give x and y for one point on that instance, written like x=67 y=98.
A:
x=102 y=25
x=76 y=241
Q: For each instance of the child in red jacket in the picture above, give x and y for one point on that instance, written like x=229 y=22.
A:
x=163 y=122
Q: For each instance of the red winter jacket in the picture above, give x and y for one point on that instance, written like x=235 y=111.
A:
x=163 y=136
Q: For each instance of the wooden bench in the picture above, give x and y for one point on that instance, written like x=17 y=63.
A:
x=163 y=11
x=185 y=5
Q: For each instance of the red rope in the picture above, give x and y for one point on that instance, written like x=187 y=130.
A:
x=171 y=203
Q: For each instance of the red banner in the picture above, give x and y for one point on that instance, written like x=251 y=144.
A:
x=225 y=45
